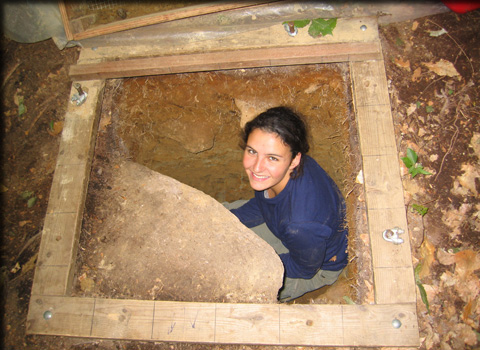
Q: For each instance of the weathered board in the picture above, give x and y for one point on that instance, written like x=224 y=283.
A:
x=220 y=323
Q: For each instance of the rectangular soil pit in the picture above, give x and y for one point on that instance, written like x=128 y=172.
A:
x=54 y=311
x=187 y=126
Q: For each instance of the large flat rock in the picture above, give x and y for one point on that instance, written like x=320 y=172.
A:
x=165 y=240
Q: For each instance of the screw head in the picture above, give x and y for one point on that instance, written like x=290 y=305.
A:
x=396 y=323
x=47 y=315
x=363 y=27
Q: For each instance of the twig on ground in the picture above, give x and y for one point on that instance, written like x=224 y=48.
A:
x=452 y=142
x=29 y=242
x=10 y=73
x=46 y=105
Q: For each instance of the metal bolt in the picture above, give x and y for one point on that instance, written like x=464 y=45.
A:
x=79 y=88
x=363 y=27
x=396 y=323
x=47 y=315
x=392 y=235
x=291 y=29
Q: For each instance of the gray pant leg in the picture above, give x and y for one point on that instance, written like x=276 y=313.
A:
x=292 y=287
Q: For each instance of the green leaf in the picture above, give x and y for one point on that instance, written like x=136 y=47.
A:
x=429 y=109
x=408 y=162
x=419 y=104
x=420 y=209
x=418 y=169
x=423 y=294
x=416 y=272
x=323 y=27
x=301 y=23
x=21 y=108
x=412 y=155
x=31 y=202
x=348 y=300
x=26 y=194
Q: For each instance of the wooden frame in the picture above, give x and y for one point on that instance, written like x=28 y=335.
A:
x=75 y=31
x=53 y=311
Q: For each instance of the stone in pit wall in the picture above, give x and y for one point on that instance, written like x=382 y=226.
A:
x=169 y=241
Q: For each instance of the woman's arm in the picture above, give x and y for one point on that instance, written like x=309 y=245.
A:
x=249 y=214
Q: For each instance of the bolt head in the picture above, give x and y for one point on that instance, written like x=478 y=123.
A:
x=47 y=315
x=363 y=27
x=396 y=323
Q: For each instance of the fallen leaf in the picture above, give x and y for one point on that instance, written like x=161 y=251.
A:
x=427 y=252
x=445 y=258
x=416 y=74
x=411 y=109
x=402 y=64
x=443 y=68
x=30 y=264
x=467 y=261
x=467 y=311
x=56 y=129
x=24 y=222
x=414 y=25
x=465 y=333
x=16 y=268
x=468 y=180
x=104 y=122
x=86 y=283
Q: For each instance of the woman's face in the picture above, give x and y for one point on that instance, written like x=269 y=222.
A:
x=268 y=162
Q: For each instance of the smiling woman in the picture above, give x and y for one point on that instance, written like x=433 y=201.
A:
x=297 y=208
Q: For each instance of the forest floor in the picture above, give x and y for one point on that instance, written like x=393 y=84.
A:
x=432 y=65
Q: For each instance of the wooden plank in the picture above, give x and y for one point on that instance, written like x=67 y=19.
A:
x=352 y=325
x=384 y=253
x=305 y=324
x=375 y=125
x=77 y=138
x=69 y=316
x=392 y=263
x=66 y=24
x=264 y=57
x=192 y=322
x=165 y=16
x=347 y=31
x=370 y=83
x=68 y=189
x=247 y=324
x=394 y=285
x=51 y=280
x=372 y=324
x=128 y=319
x=58 y=242
x=383 y=186
x=58 y=247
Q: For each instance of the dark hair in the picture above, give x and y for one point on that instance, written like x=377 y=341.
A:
x=288 y=125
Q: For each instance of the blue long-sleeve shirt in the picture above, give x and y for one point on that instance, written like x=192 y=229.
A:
x=308 y=216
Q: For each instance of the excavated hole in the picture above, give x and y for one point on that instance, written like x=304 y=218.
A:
x=187 y=126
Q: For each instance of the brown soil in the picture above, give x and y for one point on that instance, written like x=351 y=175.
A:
x=435 y=114
x=187 y=126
